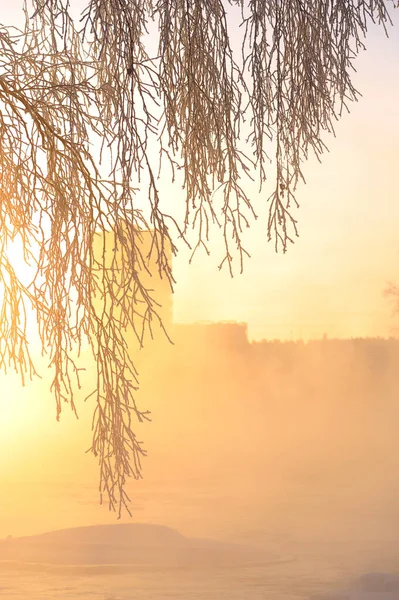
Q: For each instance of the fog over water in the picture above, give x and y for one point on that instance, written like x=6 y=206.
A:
x=287 y=449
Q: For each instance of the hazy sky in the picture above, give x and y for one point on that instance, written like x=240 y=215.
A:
x=332 y=279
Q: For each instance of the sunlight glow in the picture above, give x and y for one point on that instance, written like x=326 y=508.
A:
x=20 y=411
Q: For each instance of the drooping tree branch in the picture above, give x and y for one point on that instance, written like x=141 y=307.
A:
x=93 y=111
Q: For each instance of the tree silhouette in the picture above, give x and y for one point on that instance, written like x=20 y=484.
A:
x=89 y=118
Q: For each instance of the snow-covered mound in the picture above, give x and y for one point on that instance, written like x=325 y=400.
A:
x=124 y=544
x=126 y=534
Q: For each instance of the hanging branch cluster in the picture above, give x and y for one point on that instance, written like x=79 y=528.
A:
x=300 y=57
x=89 y=118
